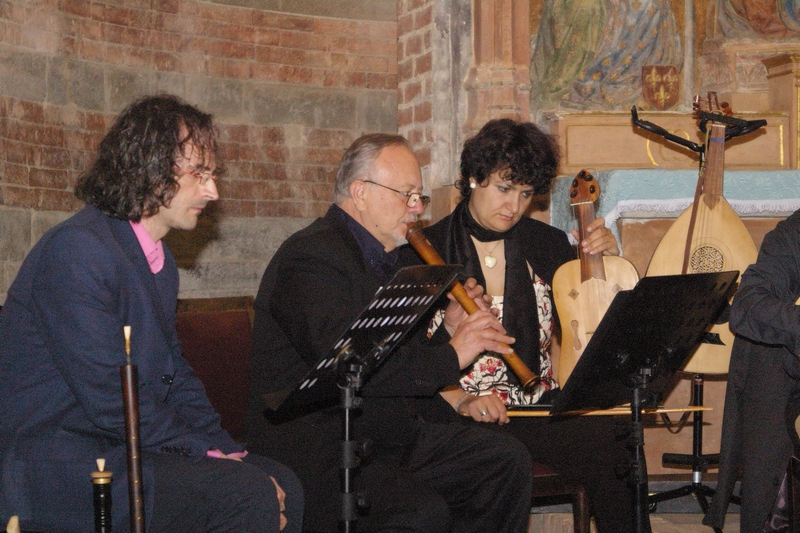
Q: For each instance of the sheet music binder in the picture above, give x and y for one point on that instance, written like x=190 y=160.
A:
x=655 y=326
x=377 y=330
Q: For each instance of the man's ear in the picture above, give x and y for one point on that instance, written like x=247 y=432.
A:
x=358 y=192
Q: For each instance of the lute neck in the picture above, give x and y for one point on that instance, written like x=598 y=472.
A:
x=714 y=164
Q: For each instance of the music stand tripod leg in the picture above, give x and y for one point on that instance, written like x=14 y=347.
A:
x=351 y=382
x=698 y=461
x=639 y=461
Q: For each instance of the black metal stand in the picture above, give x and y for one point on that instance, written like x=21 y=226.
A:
x=643 y=339
x=699 y=461
x=734 y=128
x=353 y=372
x=352 y=379
x=352 y=360
x=639 y=465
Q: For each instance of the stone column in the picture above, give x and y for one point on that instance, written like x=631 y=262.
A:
x=434 y=51
x=783 y=75
x=460 y=64
x=688 y=53
x=498 y=84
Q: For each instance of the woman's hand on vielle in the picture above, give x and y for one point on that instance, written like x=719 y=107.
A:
x=599 y=239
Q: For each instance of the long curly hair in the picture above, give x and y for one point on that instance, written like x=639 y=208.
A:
x=134 y=173
x=520 y=151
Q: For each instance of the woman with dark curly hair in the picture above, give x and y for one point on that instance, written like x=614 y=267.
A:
x=514 y=258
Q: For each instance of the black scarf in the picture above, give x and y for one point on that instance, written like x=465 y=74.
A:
x=520 y=309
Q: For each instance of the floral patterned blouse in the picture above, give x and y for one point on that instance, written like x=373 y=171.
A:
x=489 y=373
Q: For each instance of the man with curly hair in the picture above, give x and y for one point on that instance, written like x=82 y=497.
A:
x=61 y=347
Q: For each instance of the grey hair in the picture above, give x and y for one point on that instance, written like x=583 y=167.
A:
x=358 y=159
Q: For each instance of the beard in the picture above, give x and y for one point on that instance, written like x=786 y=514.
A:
x=400 y=240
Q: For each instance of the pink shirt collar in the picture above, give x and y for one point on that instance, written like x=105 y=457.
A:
x=153 y=251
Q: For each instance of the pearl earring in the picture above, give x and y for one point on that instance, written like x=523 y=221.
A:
x=472 y=185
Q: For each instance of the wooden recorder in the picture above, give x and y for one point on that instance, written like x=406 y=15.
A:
x=425 y=249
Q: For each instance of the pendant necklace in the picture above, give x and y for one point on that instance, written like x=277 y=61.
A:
x=490 y=260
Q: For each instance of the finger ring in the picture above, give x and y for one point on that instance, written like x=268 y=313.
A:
x=483 y=413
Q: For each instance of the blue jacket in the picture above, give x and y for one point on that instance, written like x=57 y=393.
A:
x=61 y=348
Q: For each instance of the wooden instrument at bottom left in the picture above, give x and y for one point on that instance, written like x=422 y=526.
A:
x=130 y=401
x=101 y=487
x=429 y=254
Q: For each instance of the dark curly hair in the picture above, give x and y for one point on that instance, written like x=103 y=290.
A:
x=134 y=175
x=521 y=151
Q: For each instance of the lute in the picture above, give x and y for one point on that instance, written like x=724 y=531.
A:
x=707 y=237
x=584 y=288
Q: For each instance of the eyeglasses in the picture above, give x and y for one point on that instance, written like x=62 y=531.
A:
x=412 y=197
x=204 y=177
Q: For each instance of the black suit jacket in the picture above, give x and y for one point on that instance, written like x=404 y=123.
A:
x=312 y=290
x=763 y=378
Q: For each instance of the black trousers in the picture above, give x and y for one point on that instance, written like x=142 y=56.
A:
x=442 y=478
x=223 y=495
x=455 y=478
x=584 y=449
x=764 y=421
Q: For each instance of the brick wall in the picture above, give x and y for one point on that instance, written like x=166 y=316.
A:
x=434 y=55
x=415 y=75
x=289 y=90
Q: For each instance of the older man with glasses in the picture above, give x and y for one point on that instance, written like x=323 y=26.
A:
x=420 y=476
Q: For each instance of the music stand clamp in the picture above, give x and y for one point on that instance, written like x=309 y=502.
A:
x=644 y=338
x=351 y=361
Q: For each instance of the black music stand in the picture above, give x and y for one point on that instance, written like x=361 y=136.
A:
x=351 y=361
x=643 y=339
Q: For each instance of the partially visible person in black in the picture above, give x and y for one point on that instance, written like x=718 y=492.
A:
x=514 y=257
x=421 y=476
x=763 y=381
